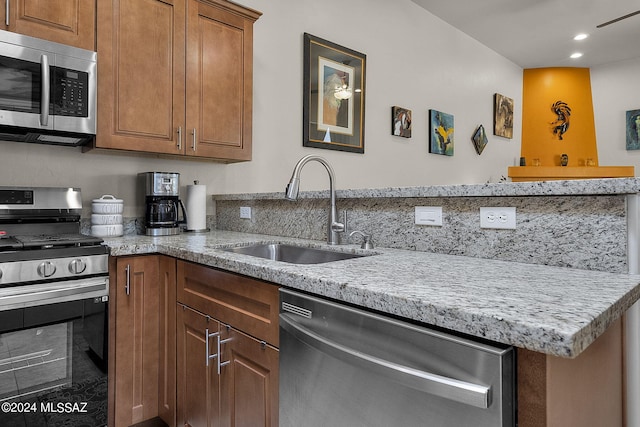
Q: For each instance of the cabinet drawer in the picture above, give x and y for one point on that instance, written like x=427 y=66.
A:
x=247 y=304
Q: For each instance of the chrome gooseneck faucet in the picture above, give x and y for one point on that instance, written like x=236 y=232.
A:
x=291 y=193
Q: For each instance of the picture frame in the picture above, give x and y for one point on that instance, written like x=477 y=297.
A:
x=400 y=122
x=441 y=129
x=334 y=96
x=503 y=116
x=479 y=139
x=633 y=129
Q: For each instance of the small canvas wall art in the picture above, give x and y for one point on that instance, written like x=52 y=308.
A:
x=479 y=139
x=633 y=130
x=502 y=116
x=401 y=122
x=441 y=134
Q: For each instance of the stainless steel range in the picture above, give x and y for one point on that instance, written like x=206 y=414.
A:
x=54 y=288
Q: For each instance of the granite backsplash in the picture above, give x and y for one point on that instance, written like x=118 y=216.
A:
x=578 y=231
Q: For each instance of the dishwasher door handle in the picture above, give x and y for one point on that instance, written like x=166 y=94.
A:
x=449 y=388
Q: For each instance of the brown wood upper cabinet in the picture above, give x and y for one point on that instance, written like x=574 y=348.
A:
x=176 y=77
x=61 y=21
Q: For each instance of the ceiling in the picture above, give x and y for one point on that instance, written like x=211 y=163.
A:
x=539 y=33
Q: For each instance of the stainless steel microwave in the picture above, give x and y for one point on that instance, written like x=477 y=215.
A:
x=47 y=91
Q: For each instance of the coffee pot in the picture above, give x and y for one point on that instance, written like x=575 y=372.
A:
x=163 y=205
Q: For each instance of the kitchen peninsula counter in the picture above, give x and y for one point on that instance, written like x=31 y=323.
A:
x=576 y=187
x=552 y=310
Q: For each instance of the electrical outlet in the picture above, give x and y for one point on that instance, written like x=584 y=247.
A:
x=428 y=215
x=498 y=217
x=245 y=212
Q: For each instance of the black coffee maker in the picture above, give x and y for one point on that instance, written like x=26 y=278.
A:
x=163 y=205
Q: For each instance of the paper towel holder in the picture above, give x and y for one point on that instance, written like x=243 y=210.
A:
x=200 y=230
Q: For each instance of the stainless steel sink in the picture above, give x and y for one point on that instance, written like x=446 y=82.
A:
x=291 y=253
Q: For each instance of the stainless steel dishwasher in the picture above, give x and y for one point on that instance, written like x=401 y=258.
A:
x=346 y=367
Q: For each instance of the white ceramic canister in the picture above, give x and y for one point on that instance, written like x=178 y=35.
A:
x=106 y=219
x=112 y=230
x=107 y=204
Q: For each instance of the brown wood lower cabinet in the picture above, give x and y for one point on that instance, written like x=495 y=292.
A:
x=198 y=379
x=226 y=377
x=159 y=345
x=142 y=339
x=241 y=391
x=249 y=383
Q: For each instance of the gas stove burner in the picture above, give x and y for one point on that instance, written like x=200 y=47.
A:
x=8 y=243
x=46 y=241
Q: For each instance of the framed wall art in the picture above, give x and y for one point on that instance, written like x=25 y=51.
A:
x=401 y=122
x=441 y=133
x=479 y=139
x=633 y=130
x=502 y=116
x=334 y=92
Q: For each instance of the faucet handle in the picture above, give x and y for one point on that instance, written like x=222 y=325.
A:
x=345 y=221
x=367 y=243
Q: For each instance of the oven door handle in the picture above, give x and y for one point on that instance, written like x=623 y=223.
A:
x=449 y=388
x=53 y=292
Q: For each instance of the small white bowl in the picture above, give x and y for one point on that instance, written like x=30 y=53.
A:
x=105 y=219
x=113 y=230
x=107 y=204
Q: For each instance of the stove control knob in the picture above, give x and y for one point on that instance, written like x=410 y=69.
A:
x=77 y=266
x=46 y=269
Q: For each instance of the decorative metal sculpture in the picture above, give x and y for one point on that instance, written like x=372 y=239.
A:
x=561 y=124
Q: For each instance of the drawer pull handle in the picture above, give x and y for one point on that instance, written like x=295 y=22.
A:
x=127 y=286
x=217 y=354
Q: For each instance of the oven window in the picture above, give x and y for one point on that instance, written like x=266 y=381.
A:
x=49 y=376
x=35 y=360
x=19 y=85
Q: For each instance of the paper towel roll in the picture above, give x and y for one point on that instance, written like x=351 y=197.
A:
x=196 y=207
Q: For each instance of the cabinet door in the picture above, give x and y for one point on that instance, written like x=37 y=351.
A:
x=136 y=339
x=219 y=80
x=141 y=85
x=61 y=21
x=198 y=380
x=249 y=396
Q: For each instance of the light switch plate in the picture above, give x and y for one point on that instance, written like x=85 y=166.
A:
x=428 y=215
x=498 y=217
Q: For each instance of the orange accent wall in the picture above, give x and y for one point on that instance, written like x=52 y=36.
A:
x=542 y=87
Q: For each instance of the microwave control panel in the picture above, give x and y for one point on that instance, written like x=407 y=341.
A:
x=71 y=92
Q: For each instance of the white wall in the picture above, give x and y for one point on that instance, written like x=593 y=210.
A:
x=414 y=60
x=615 y=89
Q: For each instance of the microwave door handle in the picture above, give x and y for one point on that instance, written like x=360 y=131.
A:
x=46 y=90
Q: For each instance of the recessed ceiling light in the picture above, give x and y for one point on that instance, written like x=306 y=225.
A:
x=581 y=36
x=576 y=55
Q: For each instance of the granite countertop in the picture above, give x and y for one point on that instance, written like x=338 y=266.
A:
x=552 y=310
x=506 y=189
